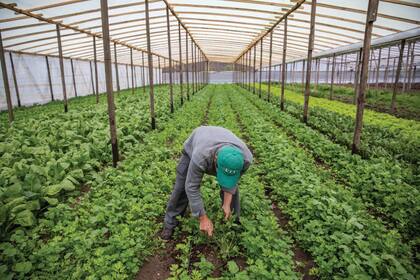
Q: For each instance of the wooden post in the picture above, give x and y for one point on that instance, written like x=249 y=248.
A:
x=370 y=19
x=132 y=70
x=116 y=67
x=328 y=70
x=91 y=77
x=168 y=30
x=192 y=67
x=150 y=66
x=96 y=70
x=187 y=66
x=387 y=68
x=410 y=67
x=283 y=65
x=74 y=79
x=6 y=81
x=249 y=69
x=126 y=75
x=397 y=77
x=108 y=77
x=345 y=69
x=261 y=55
x=15 y=79
x=332 y=76
x=254 y=69
x=181 y=80
x=317 y=66
x=378 y=65
x=49 y=78
x=357 y=75
x=143 y=77
x=303 y=75
x=269 y=66
x=63 y=80
x=309 y=63
x=195 y=67
x=159 y=71
x=406 y=67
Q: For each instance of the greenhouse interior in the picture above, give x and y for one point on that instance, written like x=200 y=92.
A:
x=129 y=128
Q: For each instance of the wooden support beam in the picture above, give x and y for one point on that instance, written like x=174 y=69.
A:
x=171 y=92
x=283 y=65
x=117 y=78
x=108 y=78
x=95 y=62
x=397 y=77
x=74 y=78
x=370 y=19
x=49 y=78
x=260 y=68
x=63 y=80
x=332 y=76
x=254 y=69
x=186 y=66
x=6 y=82
x=15 y=79
x=309 y=62
x=180 y=64
x=150 y=66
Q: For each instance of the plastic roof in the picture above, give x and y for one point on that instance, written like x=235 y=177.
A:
x=222 y=29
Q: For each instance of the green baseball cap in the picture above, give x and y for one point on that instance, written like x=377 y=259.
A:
x=230 y=162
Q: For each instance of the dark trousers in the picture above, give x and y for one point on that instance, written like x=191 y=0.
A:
x=178 y=202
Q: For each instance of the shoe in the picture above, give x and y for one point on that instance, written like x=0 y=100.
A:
x=166 y=233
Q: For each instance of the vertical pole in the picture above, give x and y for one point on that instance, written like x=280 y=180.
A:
x=132 y=70
x=49 y=78
x=192 y=67
x=108 y=77
x=180 y=63
x=187 y=66
x=171 y=92
x=370 y=19
x=253 y=68
x=159 y=71
x=303 y=75
x=249 y=69
x=410 y=44
x=63 y=80
x=397 y=77
x=116 y=67
x=328 y=70
x=332 y=77
x=387 y=68
x=96 y=70
x=318 y=65
x=309 y=63
x=6 y=81
x=15 y=79
x=283 y=65
x=74 y=79
x=378 y=65
x=143 y=75
x=91 y=77
x=195 y=67
x=269 y=66
x=150 y=66
x=345 y=69
x=410 y=67
x=261 y=54
x=126 y=74
x=357 y=75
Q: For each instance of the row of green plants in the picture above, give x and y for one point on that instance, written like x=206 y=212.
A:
x=383 y=134
x=258 y=240
x=106 y=233
x=327 y=219
x=408 y=103
x=377 y=181
x=46 y=158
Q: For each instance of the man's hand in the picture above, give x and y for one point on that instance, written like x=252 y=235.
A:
x=206 y=225
x=227 y=201
x=227 y=211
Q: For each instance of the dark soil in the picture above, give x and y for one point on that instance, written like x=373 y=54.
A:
x=157 y=267
x=210 y=254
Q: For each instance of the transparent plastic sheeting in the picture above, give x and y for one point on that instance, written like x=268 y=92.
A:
x=32 y=79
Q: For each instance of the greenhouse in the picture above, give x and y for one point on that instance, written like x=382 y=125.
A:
x=213 y=139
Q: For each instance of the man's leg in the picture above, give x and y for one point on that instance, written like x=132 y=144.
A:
x=178 y=201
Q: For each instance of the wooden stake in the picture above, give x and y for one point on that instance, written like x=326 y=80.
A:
x=63 y=80
x=370 y=19
x=254 y=69
x=397 y=77
x=49 y=78
x=171 y=92
x=116 y=67
x=74 y=78
x=309 y=63
x=261 y=54
x=283 y=65
x=180 y=64
x=15 y=79
x=187 y=66
x=6 y=82
x=150 y=66
x=108 y=78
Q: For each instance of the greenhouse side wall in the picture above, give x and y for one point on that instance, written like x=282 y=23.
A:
x=33 y=84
